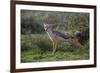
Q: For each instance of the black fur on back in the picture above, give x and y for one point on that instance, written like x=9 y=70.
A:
x=61 y=35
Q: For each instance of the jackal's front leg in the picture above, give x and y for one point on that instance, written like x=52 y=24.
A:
x=54 y=48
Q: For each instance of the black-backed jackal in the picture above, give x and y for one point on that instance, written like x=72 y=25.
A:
x=56 y=36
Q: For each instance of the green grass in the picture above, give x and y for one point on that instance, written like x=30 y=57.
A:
x=38 y=48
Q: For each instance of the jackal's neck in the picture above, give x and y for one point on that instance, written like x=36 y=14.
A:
x=50 y=33
x=49 y=30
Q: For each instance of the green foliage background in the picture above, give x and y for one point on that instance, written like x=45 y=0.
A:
x=35 y=43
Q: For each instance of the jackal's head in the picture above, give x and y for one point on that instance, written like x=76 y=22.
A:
x=47 y=26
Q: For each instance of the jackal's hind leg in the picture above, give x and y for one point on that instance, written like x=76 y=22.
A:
x=77 y=44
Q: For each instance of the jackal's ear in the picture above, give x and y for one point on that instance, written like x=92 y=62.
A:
x=45 y=24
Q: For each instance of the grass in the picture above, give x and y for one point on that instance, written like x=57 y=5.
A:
x=38 y=48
